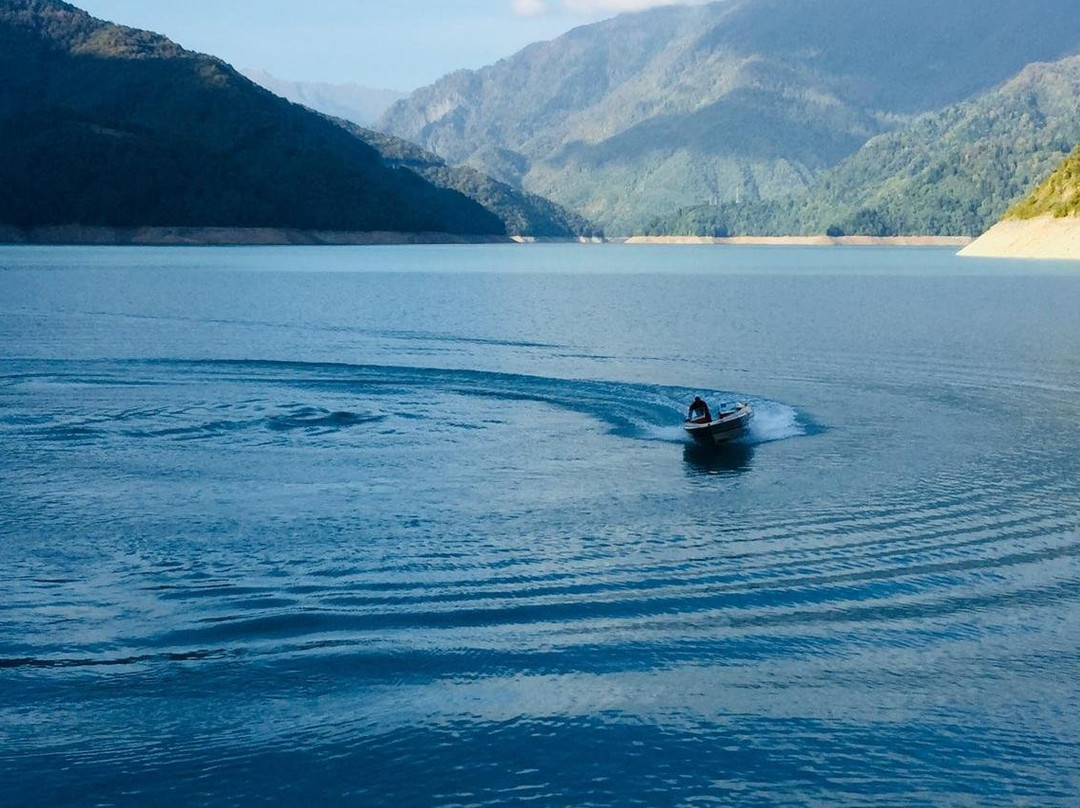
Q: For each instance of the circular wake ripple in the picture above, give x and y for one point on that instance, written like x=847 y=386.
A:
x=945 y=555
x=645 y=412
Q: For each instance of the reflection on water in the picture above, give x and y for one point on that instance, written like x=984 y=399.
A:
x=728 y=458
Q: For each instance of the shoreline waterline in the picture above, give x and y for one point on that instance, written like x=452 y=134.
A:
x=805 y=241
x=78 y=235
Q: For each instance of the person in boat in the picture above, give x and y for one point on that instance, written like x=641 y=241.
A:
x=699 y=411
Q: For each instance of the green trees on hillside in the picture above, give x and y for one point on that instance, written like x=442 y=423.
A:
x=103 y=125
x=952 y=172
x=524 y=214
x=648 y=114
x=1059 y=196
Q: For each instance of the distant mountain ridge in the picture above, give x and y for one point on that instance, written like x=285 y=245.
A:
x=744 y=99
x=951 y=172
x=524 y=214
x=349 y=101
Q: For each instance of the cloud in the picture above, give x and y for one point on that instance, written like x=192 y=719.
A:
x=589 y=8
x=616 y=6
x=530 y=8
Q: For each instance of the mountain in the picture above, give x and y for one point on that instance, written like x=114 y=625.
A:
x=524 y=214
x=951 y=172
x=108 y=126
x=647 y=113
x=955 y=172
x=1059 y=196
x=1044 y=225
x=351 y=102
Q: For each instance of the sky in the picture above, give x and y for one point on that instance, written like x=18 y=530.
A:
x=395 y=44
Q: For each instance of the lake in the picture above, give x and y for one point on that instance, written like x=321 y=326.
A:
x=420 y=526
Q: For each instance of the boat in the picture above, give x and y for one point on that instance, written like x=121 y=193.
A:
x=725 y=426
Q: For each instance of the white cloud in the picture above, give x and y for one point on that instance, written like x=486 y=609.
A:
x=590 y=8
x=530 y=8
x=615 y=6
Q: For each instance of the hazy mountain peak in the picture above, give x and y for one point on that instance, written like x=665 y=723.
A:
x=350 y=101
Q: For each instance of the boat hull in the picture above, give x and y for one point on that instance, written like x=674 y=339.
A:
x=727 y=427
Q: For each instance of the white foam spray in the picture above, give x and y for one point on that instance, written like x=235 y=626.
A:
x=773 y=421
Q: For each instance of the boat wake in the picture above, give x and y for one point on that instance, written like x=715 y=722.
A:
x=322 y=398
x=774 y=421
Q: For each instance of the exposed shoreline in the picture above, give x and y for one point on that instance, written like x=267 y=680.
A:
x=224 y=236
x=810 y=241
x=552 y=240
x=1042 y=238
x=77 y=235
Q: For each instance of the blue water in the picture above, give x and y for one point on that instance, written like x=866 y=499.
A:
x=419 y=526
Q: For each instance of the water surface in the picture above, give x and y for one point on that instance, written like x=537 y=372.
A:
x=419 y=526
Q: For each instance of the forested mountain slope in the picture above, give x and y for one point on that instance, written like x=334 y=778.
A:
x=1058 y=196
x=109 y=126
x=953 y=172
x=524 y=214
x=743 y=99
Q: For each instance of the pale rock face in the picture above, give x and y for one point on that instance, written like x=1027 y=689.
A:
x=1044 y=238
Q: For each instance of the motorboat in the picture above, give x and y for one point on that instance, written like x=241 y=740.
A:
x=726 y=425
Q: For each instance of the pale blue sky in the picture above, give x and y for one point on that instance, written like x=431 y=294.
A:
x=400 y=44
